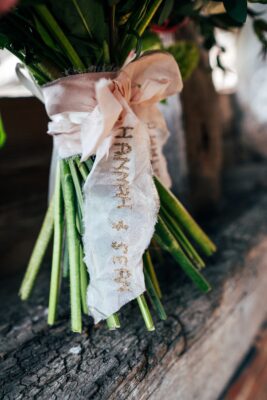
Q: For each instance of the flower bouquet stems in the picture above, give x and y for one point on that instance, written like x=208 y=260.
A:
x=66 y=208
x=100 y=35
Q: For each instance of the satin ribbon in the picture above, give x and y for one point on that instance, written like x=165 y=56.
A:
x=107 y=114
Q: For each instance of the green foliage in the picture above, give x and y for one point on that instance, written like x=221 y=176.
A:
x=4 y=41
x=166 y=11
x=151 y=41
x=2 y=133
x=186 y=55
x=46 y=37
x=83 y=18
x=58 y=38
x=55 y=38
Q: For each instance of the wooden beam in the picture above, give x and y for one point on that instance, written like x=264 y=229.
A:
x=191 y=355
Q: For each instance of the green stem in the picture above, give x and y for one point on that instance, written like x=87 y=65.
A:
x=157 y=251
x=65 y=258
x=73 y=247
x=38 y=253
x=58 y=33
x=83 y=270
x=149 y=15
x=38 y=73
x=79 y=224
x=106 y=53
x=84 y=22
x=57 y=250
x=76 y=182
x=165 y=239
x=177 y=210
x=89 y=164
x=153 y=295
x=151 y=270
x=182 y=239
x=82 y=168
x=128 y=44
x=145 y=312
x=84 y=282
x=113 y=322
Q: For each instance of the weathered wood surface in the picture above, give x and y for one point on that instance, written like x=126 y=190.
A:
x=192 y=355
x=250 y=380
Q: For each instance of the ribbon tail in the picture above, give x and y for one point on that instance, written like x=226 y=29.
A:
x=158 y=159
x=121 y=207
x=159 y=134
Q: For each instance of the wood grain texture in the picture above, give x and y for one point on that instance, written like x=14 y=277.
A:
x=250 y=380
x=192 y=355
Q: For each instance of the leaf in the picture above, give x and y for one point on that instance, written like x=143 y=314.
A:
x=166 y=11
x=45 y=35
x=2 y=133
x=150 y=41
x=237 y=9
x=82 y=18
x=186 y=55
x=4 y=41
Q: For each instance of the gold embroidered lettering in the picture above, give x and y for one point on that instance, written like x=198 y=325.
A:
x=125 y=148
x=120 y=225
x=124 y=133
x=122 y=278
x=122 y=260
x=120 y=245
x=120 y=171
x=122 y=165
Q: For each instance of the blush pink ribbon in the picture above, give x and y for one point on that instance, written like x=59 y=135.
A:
x=86 y=108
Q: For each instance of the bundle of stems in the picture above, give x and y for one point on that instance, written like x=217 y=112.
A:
x=174 y=232
x=58 y=38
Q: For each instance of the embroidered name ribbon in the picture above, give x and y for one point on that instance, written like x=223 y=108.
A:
x=107 y=115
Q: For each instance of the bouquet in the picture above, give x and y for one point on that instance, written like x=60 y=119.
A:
x=111 y=203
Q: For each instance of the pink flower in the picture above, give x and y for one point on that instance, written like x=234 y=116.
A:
x=5 y=5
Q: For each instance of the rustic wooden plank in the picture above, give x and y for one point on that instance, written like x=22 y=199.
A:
x=250 y=381
x=191 y=355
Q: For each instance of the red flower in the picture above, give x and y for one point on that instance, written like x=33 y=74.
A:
x=5 y=5
x=167 y=28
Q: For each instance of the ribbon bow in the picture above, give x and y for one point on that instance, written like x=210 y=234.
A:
x=109 y=115
x=135 y=91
